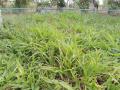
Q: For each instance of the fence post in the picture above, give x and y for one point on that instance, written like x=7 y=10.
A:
x=1 y=20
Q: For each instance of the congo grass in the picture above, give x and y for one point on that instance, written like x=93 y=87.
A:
x=66 y=51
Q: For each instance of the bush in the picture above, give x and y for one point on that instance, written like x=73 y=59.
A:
x=83 y=4
x=61 y=3
x=21 y=3
x=114 y=4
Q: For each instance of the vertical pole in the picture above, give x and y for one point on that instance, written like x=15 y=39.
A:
x=0 y=19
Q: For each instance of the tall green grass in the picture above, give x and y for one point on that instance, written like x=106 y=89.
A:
x=65 y=51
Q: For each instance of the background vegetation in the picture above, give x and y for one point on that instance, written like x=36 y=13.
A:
x=83 y=4
x=114 y=4
x=21 y=3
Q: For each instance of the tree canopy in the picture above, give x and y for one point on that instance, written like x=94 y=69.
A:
x=21 y=3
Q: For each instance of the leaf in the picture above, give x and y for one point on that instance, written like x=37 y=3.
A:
x=56 y=82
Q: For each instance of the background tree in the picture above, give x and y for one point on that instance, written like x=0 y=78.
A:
x=53 y=2
x=2 y=3
x=21 y=3
x=43 y=4
x=83 y=4
x=60 y=3
x=114 y=4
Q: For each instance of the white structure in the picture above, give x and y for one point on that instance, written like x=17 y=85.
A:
x=101 y=2
x=69 y=2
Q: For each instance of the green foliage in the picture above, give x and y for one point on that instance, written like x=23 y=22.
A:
x=2 y=3
x=114 y=4
x=61 y=3
x=66 y=51
x=21 y=3
x=43 y=4
x=83 y=4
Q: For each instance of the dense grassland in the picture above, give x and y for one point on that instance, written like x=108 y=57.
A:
x=65 y=51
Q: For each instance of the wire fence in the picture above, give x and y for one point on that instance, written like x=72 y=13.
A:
x=24 y=15
x=53 y=10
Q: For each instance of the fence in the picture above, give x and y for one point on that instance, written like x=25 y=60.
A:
x=52 y=10
x=10 y=13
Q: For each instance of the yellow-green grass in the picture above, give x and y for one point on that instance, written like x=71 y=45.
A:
x=65 y=51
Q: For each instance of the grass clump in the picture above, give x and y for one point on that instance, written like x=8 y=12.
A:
x=66 y=51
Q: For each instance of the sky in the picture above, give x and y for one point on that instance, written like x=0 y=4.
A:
x=101 y=2
x=70 y=1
